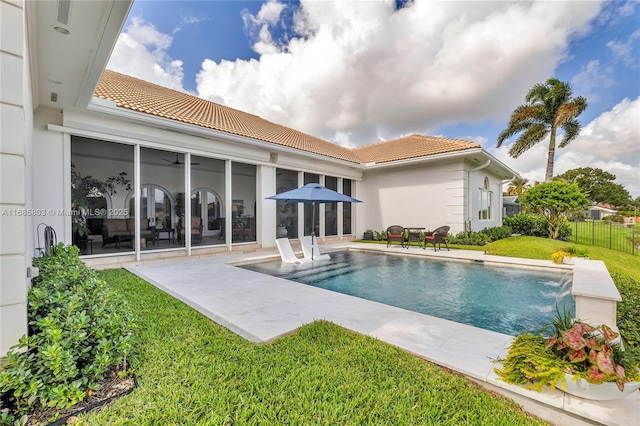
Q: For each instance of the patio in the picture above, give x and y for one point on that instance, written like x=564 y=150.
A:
x=262 y=308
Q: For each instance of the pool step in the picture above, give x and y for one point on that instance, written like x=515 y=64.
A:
x=318 y=268
x=324 y=272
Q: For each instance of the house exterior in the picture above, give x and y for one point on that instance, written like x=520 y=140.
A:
x=153 y=173
x=598 y=212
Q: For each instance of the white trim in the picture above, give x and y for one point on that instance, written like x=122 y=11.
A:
x=169 y=146
x=105 y=42
x=136 y=199
x=187 y=203
x=67 y=230
x=192 y=129
x=228 y=202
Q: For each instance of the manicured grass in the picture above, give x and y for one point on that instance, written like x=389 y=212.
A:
x=541 y=248
x=192 y=371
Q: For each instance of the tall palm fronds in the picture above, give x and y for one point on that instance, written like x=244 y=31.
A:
x=517 y=186
x=548 y=107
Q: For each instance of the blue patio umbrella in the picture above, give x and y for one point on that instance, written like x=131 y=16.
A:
x=313 y=193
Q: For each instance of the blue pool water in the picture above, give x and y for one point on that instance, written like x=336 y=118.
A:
x=506 y=300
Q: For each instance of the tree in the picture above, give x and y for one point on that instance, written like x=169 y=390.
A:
x=548 y=107
x=556 y=201
x=517 y=186
x=598 y=185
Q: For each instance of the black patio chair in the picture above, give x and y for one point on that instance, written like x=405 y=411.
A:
x=438 y=236
x=395 y=233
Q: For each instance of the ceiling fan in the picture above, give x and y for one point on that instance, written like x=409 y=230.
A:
x=178 y=162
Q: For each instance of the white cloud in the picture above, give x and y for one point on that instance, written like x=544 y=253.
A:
x=624 y=49
x=363 y=71
x=141 y=51
x=259 y=26
x=610 y=142
x=591 y=79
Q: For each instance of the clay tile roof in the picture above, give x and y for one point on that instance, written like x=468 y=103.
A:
x=141 y=96
x=412 y=146
x=138 y=95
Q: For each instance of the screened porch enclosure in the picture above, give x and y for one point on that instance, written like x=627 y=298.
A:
x=221 y=208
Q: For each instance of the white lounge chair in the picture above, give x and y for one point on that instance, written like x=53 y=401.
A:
x=312 y=251
x=286 y=252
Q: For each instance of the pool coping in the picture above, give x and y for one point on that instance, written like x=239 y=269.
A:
x=262 y=308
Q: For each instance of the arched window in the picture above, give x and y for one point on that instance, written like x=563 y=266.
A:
x=207 y=204
x=156 y=203
x=98 y=203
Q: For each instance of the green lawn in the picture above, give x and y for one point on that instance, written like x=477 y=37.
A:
x=541 y=248
x=192 y=371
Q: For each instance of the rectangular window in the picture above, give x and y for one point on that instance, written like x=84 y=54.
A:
x=486 y=205
x=331 y=209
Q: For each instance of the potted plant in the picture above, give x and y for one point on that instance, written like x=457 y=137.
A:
x=567 y=255
x=84 y=191
x=583 y=360
x=368 y=234
x=283 y=209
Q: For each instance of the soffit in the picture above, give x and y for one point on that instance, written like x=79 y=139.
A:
x=66 y=67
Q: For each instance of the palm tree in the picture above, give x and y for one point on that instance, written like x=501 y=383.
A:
x=517 y=186
x=548 y=106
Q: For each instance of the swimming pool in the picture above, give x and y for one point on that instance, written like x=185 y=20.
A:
x=502 y=299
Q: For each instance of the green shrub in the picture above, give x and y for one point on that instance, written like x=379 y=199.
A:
x=528 y=224
x=497 y=232
x=79 y=329
x=629 y=311
x=469 y=238
x=480 y=238
x=565 y=232
x=535 y=226
x=616 y=218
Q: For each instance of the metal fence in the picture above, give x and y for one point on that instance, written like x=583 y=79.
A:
x=614 y=236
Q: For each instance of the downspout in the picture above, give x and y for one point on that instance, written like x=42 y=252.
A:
x=469 y=213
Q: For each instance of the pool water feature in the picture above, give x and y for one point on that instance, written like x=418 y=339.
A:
x=503 y=299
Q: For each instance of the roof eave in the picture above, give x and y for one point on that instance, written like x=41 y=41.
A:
x=506 y=171
x=422 y=159
x=109 y=107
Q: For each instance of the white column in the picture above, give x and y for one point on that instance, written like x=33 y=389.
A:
x=339 y=210
x=228 y=197
x=266 y=186
x=187 y=202
x=15 y=104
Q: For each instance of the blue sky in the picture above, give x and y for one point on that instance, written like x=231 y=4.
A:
x=360 y=72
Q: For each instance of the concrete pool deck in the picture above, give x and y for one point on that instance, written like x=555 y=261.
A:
x=262 y=308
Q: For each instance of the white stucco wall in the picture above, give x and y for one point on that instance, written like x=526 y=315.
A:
x=427 y=195
x=15 y=113
x=49 y=171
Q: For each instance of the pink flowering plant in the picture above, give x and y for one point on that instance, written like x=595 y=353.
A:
x=575 y=348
